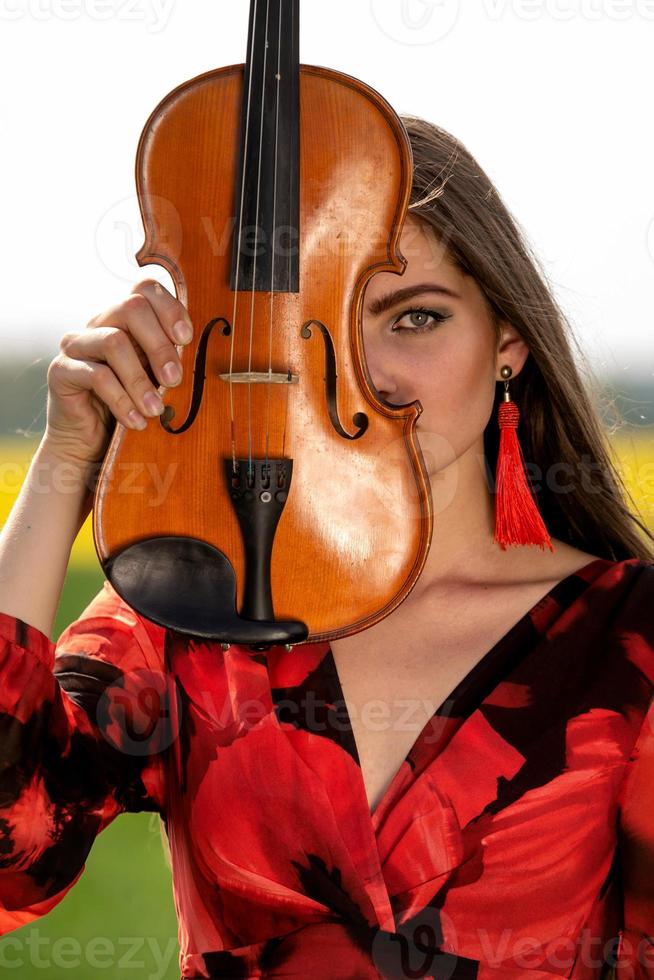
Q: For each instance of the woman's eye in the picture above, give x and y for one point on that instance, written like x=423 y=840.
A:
x=418 y=321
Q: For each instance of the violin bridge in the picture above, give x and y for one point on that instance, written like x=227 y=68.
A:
x=260 y=377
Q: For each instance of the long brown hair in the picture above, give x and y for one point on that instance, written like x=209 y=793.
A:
x=570 y=462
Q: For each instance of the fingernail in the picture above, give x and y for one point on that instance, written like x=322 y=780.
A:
x=171 y=374
x=137 y=419
x=153 y=403
x=182 y=332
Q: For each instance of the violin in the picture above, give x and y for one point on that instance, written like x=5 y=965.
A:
x=277 y=500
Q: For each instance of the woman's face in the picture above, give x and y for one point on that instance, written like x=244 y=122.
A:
x=447 y=356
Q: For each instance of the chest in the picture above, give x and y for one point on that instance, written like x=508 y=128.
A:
x=397 y=674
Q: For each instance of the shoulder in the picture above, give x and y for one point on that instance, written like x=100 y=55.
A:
x=604 y=607
x=634 y=577
x=619 y=611
x=567 y=562
x=629 y=581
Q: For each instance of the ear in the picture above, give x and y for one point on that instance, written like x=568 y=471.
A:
x=511 y=350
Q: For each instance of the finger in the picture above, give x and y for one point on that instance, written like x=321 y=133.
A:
x=172 y=314
x=115 y=348
x=69 y=376
x=137 y=317
x=143 y=358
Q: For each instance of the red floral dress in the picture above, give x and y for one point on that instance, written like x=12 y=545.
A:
x=515 y=841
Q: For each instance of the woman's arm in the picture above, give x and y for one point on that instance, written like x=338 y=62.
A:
x=636 y=842
x=83 y=737
x=35 y=543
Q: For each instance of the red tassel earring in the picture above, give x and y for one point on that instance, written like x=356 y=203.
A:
x=517 y=519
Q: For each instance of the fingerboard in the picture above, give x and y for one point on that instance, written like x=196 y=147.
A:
x=265 y=243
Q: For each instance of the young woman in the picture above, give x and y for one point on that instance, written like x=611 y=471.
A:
x=464 y=789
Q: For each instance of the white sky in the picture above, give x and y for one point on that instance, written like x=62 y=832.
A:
x=553 y=97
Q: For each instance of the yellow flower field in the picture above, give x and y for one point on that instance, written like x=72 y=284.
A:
x=634 y=450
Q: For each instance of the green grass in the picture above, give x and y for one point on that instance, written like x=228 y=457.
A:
x=119 y=919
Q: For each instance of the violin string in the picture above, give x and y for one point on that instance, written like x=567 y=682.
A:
x=238 y=242
x=256 y=235
x=293 y=108
x=295 y=162
x=278 y=78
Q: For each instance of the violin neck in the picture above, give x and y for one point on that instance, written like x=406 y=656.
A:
x=265 y=249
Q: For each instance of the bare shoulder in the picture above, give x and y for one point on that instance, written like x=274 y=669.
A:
x=532 y=565
x=470 y=610
x=568 y=559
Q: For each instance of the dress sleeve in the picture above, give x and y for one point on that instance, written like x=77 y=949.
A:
x=635 y=955
x=83 y=730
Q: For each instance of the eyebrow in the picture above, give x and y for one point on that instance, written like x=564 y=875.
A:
x=387 y=300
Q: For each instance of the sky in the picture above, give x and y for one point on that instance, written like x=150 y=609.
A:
x=552 y=97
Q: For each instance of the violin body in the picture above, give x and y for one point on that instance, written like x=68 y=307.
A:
x=273 y=377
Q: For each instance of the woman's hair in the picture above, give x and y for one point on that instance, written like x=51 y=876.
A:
x=580 y=493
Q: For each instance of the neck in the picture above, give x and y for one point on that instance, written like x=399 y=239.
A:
x=462 y=549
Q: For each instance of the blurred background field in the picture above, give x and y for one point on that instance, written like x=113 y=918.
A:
x=121 y=912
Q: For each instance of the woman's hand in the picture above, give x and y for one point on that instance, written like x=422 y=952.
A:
x=111 y=370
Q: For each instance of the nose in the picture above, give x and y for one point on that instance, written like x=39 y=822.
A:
x=381 y=374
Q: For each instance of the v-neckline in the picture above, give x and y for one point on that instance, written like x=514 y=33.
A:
x=473 y=688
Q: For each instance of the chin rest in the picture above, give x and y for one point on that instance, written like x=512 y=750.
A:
x=189 y=586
